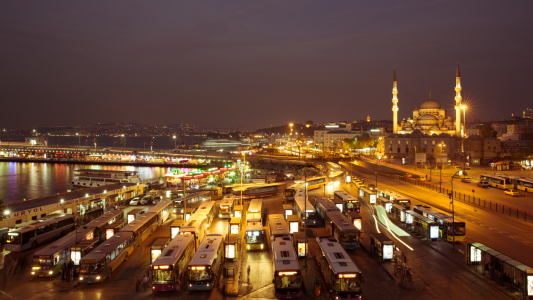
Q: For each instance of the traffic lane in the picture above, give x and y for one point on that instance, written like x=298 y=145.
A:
x=511 y=237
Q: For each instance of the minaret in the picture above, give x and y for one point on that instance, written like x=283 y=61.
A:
x=458 y=100
x=368 y=118
x=394 y=103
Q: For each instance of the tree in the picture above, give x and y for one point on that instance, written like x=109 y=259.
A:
x=347 y=144
x=365 y=142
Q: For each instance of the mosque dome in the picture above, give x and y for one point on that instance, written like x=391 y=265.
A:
x=430 y=104
x=428 y=118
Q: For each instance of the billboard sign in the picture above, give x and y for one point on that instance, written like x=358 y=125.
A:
x=475 y=254
x=442 y=157
x=420 y=157
x=388 y=251
x=434 y=232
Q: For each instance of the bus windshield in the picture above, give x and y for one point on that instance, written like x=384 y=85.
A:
x=457 y=229
x=349 y=237
x=43 y=263
x=348 y=285
x=290 y=193
x=254 y=237
x=13 y=238
x=225 y=209
x=163 y=276
x=352 y=204
x=199 y=275
x=288 y=282
x=93 y=268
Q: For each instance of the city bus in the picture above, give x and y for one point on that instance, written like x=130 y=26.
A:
x=163 y=210
x=341 y=228
x=254 y=231
x=135 y=213
x=256 y=191
x=207 y=210
x=179 y=204
x=395 y=198
x=447 y=228
x=142 y=228
x=287 y=275
x=203 y=268
x=225 y=208
x=31 y=234
x=290 y=192
x=341 y=274
x=196 y=225
x=169 y=267
x=316 y=182
x=277 y=227
x=498 y=181
x=524 y=184
x=99 y=224
x=304 y=210
x=100 y=263
x=256 y=206
x=350 y=202
x=368 y=195
x=48 y=261
x=323 y=205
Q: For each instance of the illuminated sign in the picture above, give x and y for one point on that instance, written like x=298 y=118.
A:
x=290 y=273
x=357 y=223
x=530 y=285
x=388 y=251
x=154 y=254
x=475 y=254
x=198 y=268
x=434 y=232
x=409 y=219
x=372 y=199
x=347 y=275
x=109 y=232
x=163 y=267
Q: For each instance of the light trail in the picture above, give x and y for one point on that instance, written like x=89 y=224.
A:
x=377 y=227
x=395 y=235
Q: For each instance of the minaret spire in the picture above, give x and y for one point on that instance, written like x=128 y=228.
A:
x=458 y=101
x=394 y=103
x=429 y=95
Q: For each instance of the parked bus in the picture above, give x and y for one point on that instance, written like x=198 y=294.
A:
x=524 y=184
x=34 y=233
x=207 y=210
x=48 y=261
x=350 y=202
x=99 y=224
x=136 y=213
x=256 y=191
x=316 y=182
x=225 y=208
x=203 y=268
x=304 y=210
x=447 y=228
x=340 y=227
x=169 y=267
x=290 y=192
x=255 y=233
x=163 y=210
x=287 y=274
x=142 y=227
x=104 y=259
x=277 y=227
x=395 y=198
x=342 y=276
x=498 y=181
x=368 y=195
x=323 y=205
x=191 y=199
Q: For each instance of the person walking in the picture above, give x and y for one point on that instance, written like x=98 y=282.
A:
x=63 y=271
x=70 y=269
x=145 y=283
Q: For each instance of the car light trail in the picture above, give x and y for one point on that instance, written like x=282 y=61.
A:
x=395 y=235
x=377 y=227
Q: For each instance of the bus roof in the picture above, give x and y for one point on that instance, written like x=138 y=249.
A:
x=340 y=220
x=326 y=204
x=253 y=217
x=139 y=222
x=283 y=254
x=227 y=201
x=174 y=250
x=177 y=223
x=104 y=219
x=205 y=208
x=106 y=247
x=136 y=211
x=256 y=205
x=160 y=206
x=277 y=225
x=430 y=211
x=345 y=196
x=304 y=203
x=37 y=224
x=235 y=220
x=337 y=257
x=207 y=252
x=63 y=243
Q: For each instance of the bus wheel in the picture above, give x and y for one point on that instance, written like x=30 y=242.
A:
x=34 y=245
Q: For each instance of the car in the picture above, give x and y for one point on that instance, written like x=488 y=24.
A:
x=466 y=179
x=483 y=184
x=135 y=201
x=146 y=200
x=157 y=199
x=512 y=192
x=359 y=183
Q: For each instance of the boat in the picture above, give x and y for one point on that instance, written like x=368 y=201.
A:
x=94 y=177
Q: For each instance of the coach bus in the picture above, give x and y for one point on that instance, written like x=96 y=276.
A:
x=498 y=181
x=197 y=226
x=256 y=191
x=225 y=208
x=277 y=227
x=100 y=263
x=48 y=261
x=287 y=275
x=316 y=182
x=169 y=267
x=350 y=202
x=304 y=210
x=31 y=234
x=340 y=227
x=340 y=273
x=524 y=184
x=163 y=210
x=142 y=227
x=447 y=228
x=290 y=192
x=254 y=232
x=323 y=205
x=179 y=203
x=99 y=224
x=203 y=268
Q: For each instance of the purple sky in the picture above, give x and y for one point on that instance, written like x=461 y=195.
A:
x=258 y=63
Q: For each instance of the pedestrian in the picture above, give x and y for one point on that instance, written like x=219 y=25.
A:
x=137 y=282
x=64 y=272
x=71 y=268
x=145 y=282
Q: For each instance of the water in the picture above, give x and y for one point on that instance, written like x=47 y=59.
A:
x=33 y=180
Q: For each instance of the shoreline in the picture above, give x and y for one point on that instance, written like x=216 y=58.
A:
x=112 y=163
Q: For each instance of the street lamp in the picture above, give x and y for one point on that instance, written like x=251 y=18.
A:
x=124 y=141
x=174 y=141
x=79 y=139
x=463 y=136
x=453 y=212
x=290 y=125
x=440 y=169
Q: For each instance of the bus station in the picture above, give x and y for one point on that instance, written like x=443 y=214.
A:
x=421 y=226
x=382 y=246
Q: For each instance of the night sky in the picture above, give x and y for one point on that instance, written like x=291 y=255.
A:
x=258 y=63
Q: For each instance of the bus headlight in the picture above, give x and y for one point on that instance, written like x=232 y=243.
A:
x=32 y=273
x=248 y=247
x=81 y=278
x=261 y=246
x=97 y=277
x=51 y=272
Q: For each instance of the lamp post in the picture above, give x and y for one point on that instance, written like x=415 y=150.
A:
x=79 y=139
x=123 y=141
x=453 y=212
x=243 y=173
x=463 y=136
x=290 y=138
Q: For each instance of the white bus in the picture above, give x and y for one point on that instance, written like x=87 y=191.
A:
x=207 y=210
x=255 y=234
x=290 y=192
x=345 y=231
x=304 y=210
x=277 y=227
x=498 y=181
x=100 y=263
x=316 y=182
x=225 y=208
x=34 y=233
x=142 y=227
x=99 y=224
x=204 y=266
x=341 y=274
x=163 y=210
x=350 y=202
x=287 y=274
x=323 y=205
x=169 y=267
x=196 y=225
x=48 y=261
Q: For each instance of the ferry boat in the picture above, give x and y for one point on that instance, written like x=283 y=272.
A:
x=93 y=177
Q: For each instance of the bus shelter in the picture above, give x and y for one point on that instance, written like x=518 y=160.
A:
x=80 y=249
x=157 y=247
x=386 y=203
x=231 y=244
x=293 y=223
x=113 y=228
x=237 y=210
x=397 y=212
x=423 y=227
x=235 y=225
x=508 y=273
x=301 y=244
x=175 y=227
x=381 y=246
x=287 y=210
x=355 y=218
